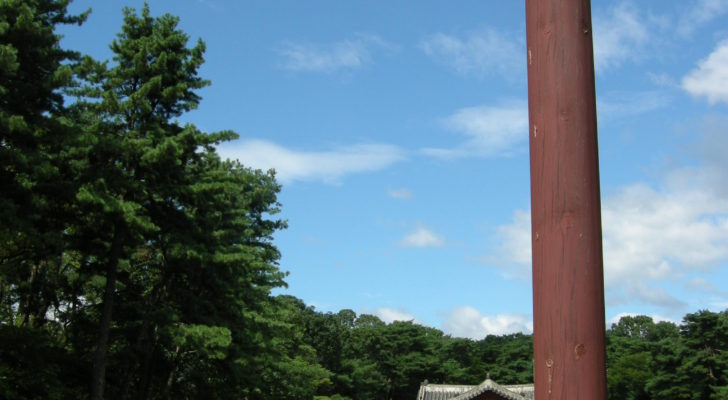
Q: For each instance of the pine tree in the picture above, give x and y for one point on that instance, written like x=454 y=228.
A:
x=36 y=194
x=179 y=239
x=36 y=187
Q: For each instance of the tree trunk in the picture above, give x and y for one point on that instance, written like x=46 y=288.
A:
x=6 y=310
x=170 y=379
x=26 y=306
x=149 y=343
x=102 y=343
x=149 y=333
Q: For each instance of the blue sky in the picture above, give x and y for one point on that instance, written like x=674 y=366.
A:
x=398 y=131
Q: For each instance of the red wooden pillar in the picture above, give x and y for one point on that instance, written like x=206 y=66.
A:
x=568 y=282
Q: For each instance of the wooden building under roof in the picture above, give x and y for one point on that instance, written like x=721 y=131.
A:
x=488 y=390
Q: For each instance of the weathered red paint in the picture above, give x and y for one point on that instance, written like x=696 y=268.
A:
x=568 y=282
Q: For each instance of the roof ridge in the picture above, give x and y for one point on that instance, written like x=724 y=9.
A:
x=489 y=384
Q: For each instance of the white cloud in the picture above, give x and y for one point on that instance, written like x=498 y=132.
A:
x=619 y=36
x=648 y=235
x=710 y=78
x=515 y=244
x=655 y=318
x=490 y=130
x=470 y=323
x=653 y=236
x=390 y=315
x=703 y=11
x=325 y=166
x=422 y=237
x=401 y=194
x=482 y=53
x=347 y=54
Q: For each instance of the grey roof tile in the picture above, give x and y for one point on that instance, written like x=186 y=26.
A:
x=468 y=392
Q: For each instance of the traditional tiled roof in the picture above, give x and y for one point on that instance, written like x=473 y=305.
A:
x=513 y=392
x=430 y=391
x=525 y=390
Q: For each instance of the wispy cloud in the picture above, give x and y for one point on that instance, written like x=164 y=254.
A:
x=662 y=80
x=651 y=294
x=422 y=237
x=400 y=194
x=617 y=105
x=710 y=78
x=324 y=166
x=717 y=296
x=483 y=53
x=619 y=36
x=346 y=54
x=699 y=13
x=489 y=130
x=470 y=323
x=213 y=5
x=702 y=285
x=711 y=148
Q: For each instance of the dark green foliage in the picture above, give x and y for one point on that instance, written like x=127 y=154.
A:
x=289 y=369
x=37 y=191
x=181 y=237
x=34 y=175
x=157 y=258
x=163 y=221
x=648 y=360
x=127 y=245
x=35 y=365
x=508 y=358
x=373 y=360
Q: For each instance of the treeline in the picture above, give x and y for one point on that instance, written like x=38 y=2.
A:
x=661 y=361
x=365 y=358
x=368 y=359
x=136 y=264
